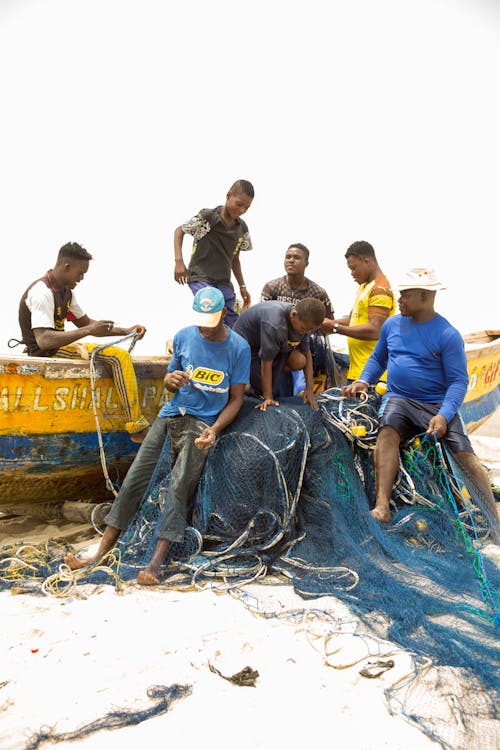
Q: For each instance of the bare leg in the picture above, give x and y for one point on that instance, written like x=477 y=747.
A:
x=149 y=576
x=473 y=465
x=108 y=541
x=295 y=361
x=386 y=469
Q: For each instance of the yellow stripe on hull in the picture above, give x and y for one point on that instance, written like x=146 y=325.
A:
x=43 y=398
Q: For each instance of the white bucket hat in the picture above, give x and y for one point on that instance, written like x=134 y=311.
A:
x=420 y=278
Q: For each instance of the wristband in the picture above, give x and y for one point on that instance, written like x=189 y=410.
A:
x=242 y=286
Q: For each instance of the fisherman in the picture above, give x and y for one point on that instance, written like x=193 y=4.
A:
x=49 y=302
x=373 y=304
x=426 y=383
x=278 y=334
x=207 y=374
x=219 y=235
x=295 y=285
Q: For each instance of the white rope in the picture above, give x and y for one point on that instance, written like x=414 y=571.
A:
x=93 y=376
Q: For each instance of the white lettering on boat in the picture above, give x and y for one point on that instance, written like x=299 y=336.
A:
x=75 y=398
x=109 y=403
x=36 y=402
x=149 y=395
x=59 y=398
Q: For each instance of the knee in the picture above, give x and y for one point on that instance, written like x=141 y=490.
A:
x=388 y=438
x=296 y=361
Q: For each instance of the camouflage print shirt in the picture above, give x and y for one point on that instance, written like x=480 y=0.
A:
x=280 y=289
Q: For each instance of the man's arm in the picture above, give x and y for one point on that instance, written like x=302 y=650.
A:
x=49 y=338
x=266 y=376
x=181 y=273
x=226 y=416
x=454 y=363
x=330 y=325
x=309 y=397
x=366 y=331
x=238 y=275
x=110 y=331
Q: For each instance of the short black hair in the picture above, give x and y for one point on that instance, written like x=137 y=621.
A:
x=300 y=246
x=242 y=186
x=311 y=310
x=73 y=251
x=362 y=249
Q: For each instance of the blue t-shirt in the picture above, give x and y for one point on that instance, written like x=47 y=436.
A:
x=425 y=362
x=266 y=327
x=214 y=366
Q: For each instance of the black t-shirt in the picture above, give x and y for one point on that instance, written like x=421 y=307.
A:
x=214 y=246
x=267 y=329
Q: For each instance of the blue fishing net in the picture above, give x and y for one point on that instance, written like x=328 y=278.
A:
x=288 y=492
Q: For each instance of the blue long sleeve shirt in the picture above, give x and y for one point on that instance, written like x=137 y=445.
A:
x=424 y=361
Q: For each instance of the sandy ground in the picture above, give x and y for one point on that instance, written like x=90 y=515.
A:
x=69 y=661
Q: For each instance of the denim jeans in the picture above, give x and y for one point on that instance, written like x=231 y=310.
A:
x=187 y=465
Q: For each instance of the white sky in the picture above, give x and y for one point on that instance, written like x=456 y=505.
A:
x=354 y=119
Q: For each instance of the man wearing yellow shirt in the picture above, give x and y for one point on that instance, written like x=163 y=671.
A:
x=373 y=304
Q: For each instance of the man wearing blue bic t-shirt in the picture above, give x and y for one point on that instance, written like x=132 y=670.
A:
x=207 y=374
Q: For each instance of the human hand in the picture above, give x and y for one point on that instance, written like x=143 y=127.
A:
x=100 y=327
x=138 y=330
x=181 y=273
x=245 y=296
x=354 y=389
x=206 y=439
x=439 y=425
x=267 y=402
x=308 y=397
x=176 y=379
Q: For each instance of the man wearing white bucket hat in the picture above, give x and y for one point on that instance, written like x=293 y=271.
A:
x=426 y=384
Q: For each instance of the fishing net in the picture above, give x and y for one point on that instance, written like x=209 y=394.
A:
x=287 y=492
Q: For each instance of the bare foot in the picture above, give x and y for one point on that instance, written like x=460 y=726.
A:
x=74 y=563
x=138 y=437
x=381 y=513
x=146 y=578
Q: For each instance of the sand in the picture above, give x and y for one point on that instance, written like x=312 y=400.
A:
x=69 y=661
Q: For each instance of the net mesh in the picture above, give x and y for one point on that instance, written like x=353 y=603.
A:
x=287 y=491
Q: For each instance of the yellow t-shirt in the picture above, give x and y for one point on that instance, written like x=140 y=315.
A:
x=359 y=350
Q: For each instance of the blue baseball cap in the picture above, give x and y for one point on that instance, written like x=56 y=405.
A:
x=208 y=305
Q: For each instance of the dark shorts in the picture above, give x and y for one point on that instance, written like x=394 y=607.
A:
x=410 y=418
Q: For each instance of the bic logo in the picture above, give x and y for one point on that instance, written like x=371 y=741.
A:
x=202 y=375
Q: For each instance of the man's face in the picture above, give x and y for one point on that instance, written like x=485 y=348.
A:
x=213 y=334
x=359 y=268
x=74 y=271
x=295 y=261
x=301 y=326
x=410 y=301
x=237 y=204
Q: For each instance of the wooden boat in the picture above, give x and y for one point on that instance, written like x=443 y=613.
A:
x=483 y=364
x=49 y=446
